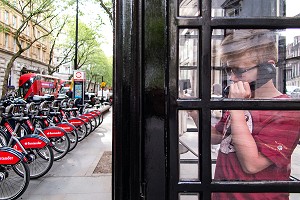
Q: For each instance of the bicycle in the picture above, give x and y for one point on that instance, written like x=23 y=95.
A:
x=58 y=137
x=14 y=174
x=37 y=149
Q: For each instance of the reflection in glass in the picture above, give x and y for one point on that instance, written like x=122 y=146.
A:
x=188 y=196
x=286 y=196
x=188 y=63
x=274 y=56
x=256 y=145
x=188 y=8
x=188 y=145
x=255 y=8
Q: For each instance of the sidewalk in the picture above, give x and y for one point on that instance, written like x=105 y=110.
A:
x=72 y=178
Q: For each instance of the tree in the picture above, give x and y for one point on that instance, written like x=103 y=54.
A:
x=108 y=8
x=66 y=53
x=87 y=43
x=101 y=67
x=36 y=13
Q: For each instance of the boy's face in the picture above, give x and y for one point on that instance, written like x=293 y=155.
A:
x=242 y=68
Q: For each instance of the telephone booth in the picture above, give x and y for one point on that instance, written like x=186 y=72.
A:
x=166 y=64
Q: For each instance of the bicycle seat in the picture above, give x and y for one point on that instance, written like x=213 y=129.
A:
x=36 y=98
x=54 y=113
x=20 y=119
x=62 y=97
x=40 y=117
x=48 y=97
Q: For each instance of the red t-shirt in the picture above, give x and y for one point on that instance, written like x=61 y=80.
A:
x=276 y=134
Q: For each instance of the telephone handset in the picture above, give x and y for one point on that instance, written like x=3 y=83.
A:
x=265 y=72
x=226 y=89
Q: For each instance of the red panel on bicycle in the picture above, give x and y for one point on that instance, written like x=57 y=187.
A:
x=89 y=116
x=66 y=127
x=8 y=158
x=76 y=122
x=84 y=118
x=54 y=132
x=95 y=113
x=30 y=143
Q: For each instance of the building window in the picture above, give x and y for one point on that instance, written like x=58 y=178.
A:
x=15 y=44
x=28 y=30
x=14 y=21
x=6 y=17
x=6 y=40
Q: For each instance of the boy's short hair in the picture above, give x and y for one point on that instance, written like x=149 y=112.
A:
x=260 y=44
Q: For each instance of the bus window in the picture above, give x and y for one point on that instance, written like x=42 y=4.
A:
x=38 y=84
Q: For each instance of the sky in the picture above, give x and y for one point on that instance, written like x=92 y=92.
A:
x=90 y=13
x=107 y=31
x=292 y=9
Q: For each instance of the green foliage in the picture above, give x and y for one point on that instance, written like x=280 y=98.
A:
x=4 y=29
x=101 y=66
x=91 y=57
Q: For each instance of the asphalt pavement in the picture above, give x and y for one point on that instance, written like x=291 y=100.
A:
x=72 y=177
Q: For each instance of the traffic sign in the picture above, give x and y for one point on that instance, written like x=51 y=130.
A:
x=79 y=75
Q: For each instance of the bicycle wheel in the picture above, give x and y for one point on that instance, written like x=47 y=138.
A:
x=87 y=123
x=3 y=139
x=92 y=121
x=89 y=127
x=40 y=161
x=73 y=136
x=82 y=131
x=12 y=185
x=61 y=146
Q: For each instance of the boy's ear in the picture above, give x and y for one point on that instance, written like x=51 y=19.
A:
x=271 y=62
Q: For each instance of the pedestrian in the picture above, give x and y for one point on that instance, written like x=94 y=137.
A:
x=70 y=93
x=255 y=145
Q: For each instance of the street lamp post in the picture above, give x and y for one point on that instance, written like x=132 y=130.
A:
x=76 y=38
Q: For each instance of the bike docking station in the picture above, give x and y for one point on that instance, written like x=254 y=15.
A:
x=79 y=91
x=79 y=85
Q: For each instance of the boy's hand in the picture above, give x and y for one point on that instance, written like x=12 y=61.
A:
x=240 y=90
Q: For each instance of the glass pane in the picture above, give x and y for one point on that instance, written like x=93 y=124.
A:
x=188 y=8
x=188 y=145
x=255 y=8
x=188 y=63
x=256 y=145
x=189 y=196
x=267 y=60
x=291 y=196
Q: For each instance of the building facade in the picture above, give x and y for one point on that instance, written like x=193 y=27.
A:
x=35 y=59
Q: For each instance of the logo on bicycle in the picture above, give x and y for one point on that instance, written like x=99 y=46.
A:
x=6 y=158
x=33 y=143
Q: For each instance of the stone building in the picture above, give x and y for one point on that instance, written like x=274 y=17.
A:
x=35 y=59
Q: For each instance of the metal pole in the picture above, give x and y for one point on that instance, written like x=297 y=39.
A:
x=102 y=91
x=76 y=38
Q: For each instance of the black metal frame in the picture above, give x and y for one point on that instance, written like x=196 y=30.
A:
x=204 y=187
x=140 y=56
x=145 y=106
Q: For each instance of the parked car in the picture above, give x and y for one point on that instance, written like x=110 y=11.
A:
x=289 y=89
x=91 y=96
x=296 y=93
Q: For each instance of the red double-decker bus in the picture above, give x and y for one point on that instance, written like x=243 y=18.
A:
x=65 y=83
x=38 y=84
